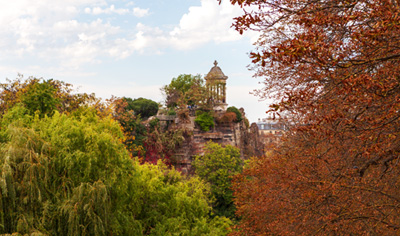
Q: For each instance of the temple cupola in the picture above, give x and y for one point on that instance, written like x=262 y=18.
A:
x=216 y=85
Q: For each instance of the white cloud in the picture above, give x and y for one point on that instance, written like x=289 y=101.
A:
x=136 y=11
x=109 y=10
x=53 y=30
x=209 y=22
x=33 y=27
x=130 y=4
x=47 y=10
x=139 y=12
x=123 y=48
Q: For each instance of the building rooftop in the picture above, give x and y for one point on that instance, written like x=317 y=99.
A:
x=270 y=124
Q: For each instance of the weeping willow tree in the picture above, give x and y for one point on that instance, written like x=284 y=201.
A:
x=71 y=175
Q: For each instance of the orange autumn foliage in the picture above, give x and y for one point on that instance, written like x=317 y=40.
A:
x=333 y=67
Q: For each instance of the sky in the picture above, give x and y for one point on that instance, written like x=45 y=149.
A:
x=127 y=48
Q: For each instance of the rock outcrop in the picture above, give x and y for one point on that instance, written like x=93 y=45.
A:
x=246 y=138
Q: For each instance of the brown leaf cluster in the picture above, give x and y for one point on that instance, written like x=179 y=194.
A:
x=333 y=67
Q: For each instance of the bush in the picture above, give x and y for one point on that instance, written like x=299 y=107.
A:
x=171 y=112
x=153 y=123
x=227 y=118
x=205 y=121
x=237 y=112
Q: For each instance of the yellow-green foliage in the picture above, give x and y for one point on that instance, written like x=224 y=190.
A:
x=205 y=121
x=217 y=166
x=40 y=96
x=71 y=175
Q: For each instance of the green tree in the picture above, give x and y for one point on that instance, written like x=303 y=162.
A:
x=44 y=96
x=69 y=174
x=171 y=204
x=185 y=90
x=217 y=166
x=41 y=97
x=142 y=106
x=132 y=126
x=57 y=173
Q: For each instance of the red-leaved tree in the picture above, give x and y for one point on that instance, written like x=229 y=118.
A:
x=333 y=68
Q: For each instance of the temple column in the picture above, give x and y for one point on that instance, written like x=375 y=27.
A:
x=223 y=93
x=218 y=90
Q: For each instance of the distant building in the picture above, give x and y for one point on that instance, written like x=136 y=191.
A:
x=270 y=130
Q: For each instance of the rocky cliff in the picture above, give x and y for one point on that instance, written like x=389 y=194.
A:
x=239 y=134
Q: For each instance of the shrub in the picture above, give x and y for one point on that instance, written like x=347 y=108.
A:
x=205 y=121
x=237 y=112
x=227 y=118
x=154 y=122
x=171 y=112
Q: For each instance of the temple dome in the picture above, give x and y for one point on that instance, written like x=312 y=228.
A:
x=216 y=73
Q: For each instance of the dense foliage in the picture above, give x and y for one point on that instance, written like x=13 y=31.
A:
x=69 y=174
x=334 y=67
x=217 y=166
x=44 y=96
x=205 y=120
x=237 y=112
x=142 y=106
x=40 y=97
x=185 y=90
x=132 y=126
x=227 y=118
x=161 y=143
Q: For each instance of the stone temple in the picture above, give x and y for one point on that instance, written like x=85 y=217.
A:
x=216 y=85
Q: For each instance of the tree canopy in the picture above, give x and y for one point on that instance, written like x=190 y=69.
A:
x=142 y=106
x=184 y=90
x=132 y=126
x=69 y=173
x=217 y=166
x=40 y=97
x=44 y=96
x=333 y=67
